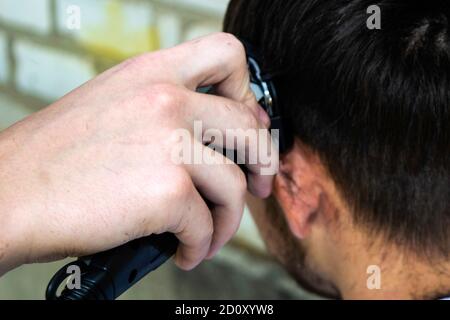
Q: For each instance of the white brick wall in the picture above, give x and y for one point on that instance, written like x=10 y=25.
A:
x=48 y=73
x=11 y=111
x=30 y=14
x=199 y=29
x=128 y=26
x=136 y=15
x=4 y=68
x=170 y=28
x=213 y=7
x=123 y=26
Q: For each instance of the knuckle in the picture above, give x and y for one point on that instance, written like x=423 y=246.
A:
x=176 y=187
x=230 y=39
x=231 y=42
x=182 y=185
x=164 y=98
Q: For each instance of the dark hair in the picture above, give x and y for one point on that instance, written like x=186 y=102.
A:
x=373 y=104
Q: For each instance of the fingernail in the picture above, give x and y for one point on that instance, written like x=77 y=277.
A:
x=263 y=117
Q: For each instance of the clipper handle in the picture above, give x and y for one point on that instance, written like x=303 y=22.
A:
x=106 y=275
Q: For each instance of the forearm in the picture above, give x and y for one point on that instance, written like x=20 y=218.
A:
x=14 y=239
x=11 y=256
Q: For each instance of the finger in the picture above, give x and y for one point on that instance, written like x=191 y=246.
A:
x=194 y=230
x=223 y=184
x=218 y=59
x=235 y=126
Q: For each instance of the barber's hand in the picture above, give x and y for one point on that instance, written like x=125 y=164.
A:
x=94 y=170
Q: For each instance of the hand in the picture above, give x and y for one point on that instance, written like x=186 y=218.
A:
x=93 y=170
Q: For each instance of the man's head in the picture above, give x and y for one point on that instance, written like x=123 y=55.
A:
x=369 y=174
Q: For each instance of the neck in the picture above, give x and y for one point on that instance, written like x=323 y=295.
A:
x=378 y=272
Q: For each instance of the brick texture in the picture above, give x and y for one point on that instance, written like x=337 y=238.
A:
x=110 y=27
x=213 y=7
x=11 y=111
x=30 y=15
x=48 y=72
x=4 y=68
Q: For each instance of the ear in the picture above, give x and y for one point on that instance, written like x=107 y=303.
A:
x=298 y=189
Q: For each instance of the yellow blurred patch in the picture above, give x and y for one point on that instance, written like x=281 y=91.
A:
x=114 y=39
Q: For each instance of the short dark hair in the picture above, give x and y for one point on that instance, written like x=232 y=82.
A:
x=373 y=104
